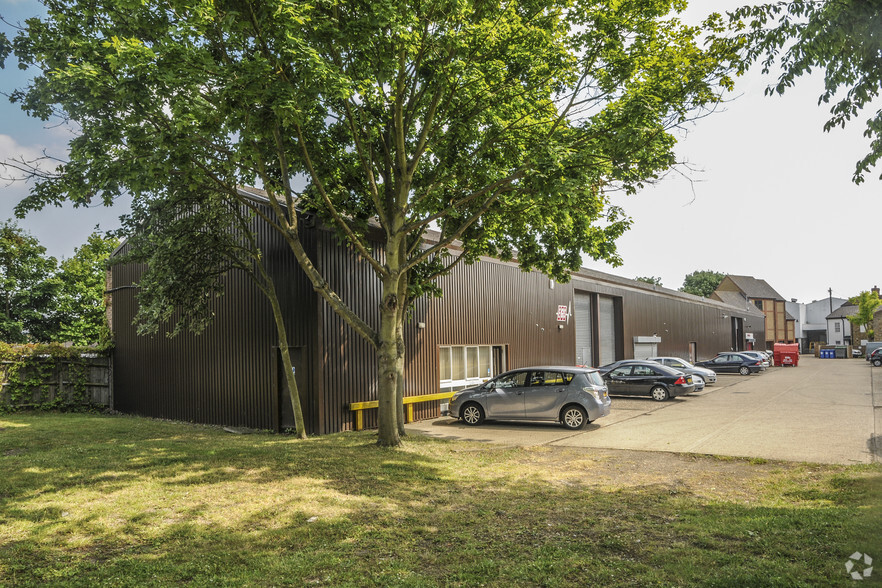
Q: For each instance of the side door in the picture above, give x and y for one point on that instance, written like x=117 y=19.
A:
x=642 y=379
x=505 y=399
x=618 y=380
x=546 y=394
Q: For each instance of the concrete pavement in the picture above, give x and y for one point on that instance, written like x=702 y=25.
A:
x=825 y=411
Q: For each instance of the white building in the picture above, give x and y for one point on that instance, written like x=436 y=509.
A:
x=811 y=321
x=839 y=327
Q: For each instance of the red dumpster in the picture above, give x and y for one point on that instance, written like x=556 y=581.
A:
x=786 y=354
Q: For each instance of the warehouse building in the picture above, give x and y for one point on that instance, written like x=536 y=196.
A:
x=492 y=317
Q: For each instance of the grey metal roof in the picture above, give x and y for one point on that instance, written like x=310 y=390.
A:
x=737 y=300
x=844 y=311
x=755 y=288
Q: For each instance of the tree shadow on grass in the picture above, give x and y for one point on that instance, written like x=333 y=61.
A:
x=176 y=504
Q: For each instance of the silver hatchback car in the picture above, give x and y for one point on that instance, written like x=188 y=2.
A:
x=571 y=396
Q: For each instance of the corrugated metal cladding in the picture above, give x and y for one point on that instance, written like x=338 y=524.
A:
x=226 y=375
x=231 y=374
x=491 y=303
x=676 y=318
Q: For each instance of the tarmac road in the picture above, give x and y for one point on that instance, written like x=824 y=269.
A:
x=824 y=411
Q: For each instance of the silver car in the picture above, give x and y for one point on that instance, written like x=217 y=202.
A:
x=569 y=395
x=705 y=375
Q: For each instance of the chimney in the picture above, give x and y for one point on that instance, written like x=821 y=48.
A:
x=876 y=290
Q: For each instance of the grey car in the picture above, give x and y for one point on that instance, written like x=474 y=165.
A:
x=569 y=395
x=698 y=373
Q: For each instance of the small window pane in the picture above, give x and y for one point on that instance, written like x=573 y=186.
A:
x=458 y=362
x=444 y=364
x=472 y=362
x=484 y=362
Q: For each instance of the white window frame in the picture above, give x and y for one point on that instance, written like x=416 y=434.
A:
x=452 y=383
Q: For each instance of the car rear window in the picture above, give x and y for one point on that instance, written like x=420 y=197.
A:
x=595 y=378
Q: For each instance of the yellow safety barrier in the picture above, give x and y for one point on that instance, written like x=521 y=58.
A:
x=409 y=401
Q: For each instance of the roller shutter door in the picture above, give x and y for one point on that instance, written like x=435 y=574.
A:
x=584 y=336
x=606 y=329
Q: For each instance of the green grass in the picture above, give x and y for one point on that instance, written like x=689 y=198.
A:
x=91 y=500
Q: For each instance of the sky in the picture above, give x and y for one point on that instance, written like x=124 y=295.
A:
x=769 y=194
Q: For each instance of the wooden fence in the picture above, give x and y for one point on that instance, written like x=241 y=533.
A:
x=50 y=382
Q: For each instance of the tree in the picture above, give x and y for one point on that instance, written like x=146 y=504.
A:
x=28 y=288
x=867 y=303
x=80 y=305
x=839 y=36
x=649 y=280
x=188 y=240
x=503 y=125
x=702 y=282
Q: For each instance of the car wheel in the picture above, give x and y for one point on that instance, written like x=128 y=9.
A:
x=573 y=417
x=472 y=414
x=659 y=393
x=877 y=362
x=744 y=370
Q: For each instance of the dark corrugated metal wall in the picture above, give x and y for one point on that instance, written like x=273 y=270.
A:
x=227 y=374
x=222 y=376
x=491 y=303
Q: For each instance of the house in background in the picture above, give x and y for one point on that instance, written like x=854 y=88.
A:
x=744 y=291
x=839 y=327
x=811 y=321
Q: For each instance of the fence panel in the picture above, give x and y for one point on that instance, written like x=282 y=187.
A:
x=57 y=382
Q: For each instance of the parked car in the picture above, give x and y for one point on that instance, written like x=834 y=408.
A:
x=871 y=347
x=699 y=375
x=760 y=355
x=732 y=363
x=605 y=369
x=573 y=396
x=648 y=378
x=875 y=357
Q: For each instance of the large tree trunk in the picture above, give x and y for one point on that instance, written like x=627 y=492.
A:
x=388 y=355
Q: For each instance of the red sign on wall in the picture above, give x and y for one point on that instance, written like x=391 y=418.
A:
x=562 y=312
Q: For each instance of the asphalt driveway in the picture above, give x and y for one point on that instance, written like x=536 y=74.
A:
x=825 y=411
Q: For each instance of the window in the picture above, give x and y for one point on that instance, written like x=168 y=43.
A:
x=621 y=372
x=836 y=327
x=461 y=366
x=643 y=370
x=515 y=380
x=550 y=379
x=759 y=304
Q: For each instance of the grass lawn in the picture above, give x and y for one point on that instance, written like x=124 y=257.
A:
x=89 y=500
